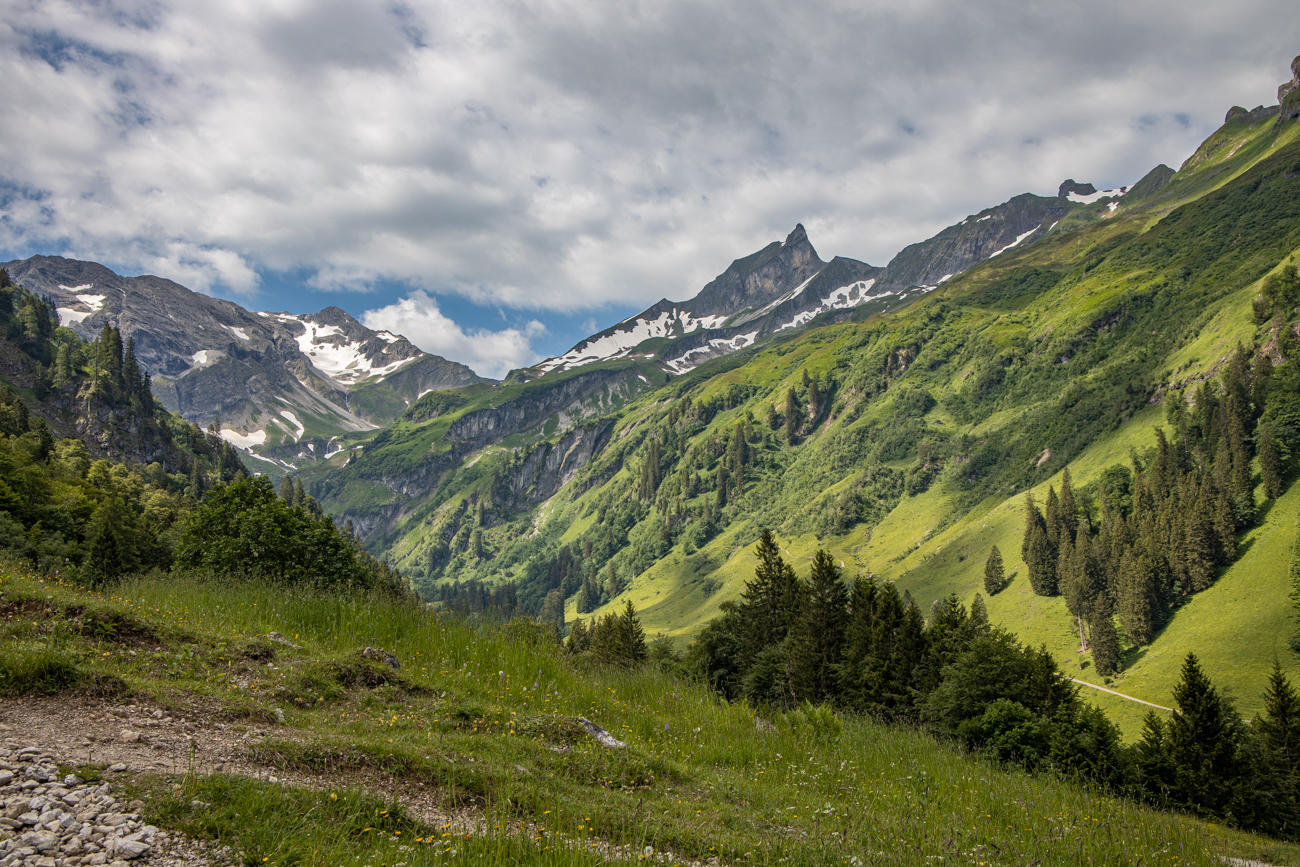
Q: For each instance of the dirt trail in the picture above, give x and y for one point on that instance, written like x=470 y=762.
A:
x=143 y=737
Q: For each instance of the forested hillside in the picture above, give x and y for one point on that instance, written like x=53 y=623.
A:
x=98 y=480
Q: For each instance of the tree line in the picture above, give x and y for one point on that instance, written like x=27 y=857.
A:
x=863 y=647
x=1159 y=532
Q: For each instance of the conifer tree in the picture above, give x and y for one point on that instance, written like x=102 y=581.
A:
x=1137 y=597
x=769 y=603
x=631 y=637
x=979 y=615
x=588 y=596
x=817 y=636
x=1053 y=519
x=792 y=416
x=994 y=574
x=1105 y=642
x=1279 y=725
x=1040 y=562
x=197 y=482
x=1081 y=583
x=553 y=611
x=579 y=638
x=1203 y=738
x=286 y=490
x=1270 y=463
x=1033 y=518
x=1069 y=510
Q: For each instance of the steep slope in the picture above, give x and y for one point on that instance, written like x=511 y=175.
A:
x=278 y=382
x=895 y=438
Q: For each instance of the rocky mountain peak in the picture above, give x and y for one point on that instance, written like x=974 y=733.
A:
x=1069 y=186
x=1287 y=87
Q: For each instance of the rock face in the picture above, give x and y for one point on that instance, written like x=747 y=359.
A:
x=549 y=467
x=273 y=379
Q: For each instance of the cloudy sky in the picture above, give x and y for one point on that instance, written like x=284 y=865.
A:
x=495 y=179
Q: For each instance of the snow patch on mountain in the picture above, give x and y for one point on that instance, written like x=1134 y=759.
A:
x=1090 y=198
x=293 y=419
x=242 y=440
x=622 y=340
x=330 y=352
x=70 y=316
x=1016 y=242
x=837 y=299
x=689 y=361
x=206 y=357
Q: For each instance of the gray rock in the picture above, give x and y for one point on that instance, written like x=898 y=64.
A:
x=131 y=849
x=602 y=737
x=378 y=654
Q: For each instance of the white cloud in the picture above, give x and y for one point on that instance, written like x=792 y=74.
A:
x=489 y=353
x=558 y=155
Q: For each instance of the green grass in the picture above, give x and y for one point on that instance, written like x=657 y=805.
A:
x=697 y=778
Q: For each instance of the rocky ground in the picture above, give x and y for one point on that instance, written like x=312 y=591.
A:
x=51 y=820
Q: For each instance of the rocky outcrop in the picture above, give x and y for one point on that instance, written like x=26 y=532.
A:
x=1288 y=87
x=550 y=466
x=569 y=399
x=759 y=279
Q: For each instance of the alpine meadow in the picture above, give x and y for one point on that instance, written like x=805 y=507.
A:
x=988 y=555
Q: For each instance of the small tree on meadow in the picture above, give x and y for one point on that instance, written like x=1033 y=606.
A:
x=995 y=576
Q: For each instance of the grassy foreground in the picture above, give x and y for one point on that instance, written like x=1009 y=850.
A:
x=487 y=716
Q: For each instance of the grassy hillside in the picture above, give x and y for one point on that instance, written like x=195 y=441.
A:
x=484 y=720
x=902 y=443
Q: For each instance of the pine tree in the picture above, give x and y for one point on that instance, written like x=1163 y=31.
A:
x=817 y=636
x=1137 y=597
x=792 y=416
x=1083 y=581
x=994 y=575
x=1203 y=738
x=579 y=638
x=979 y=615
x=769 y=603
x=198 y=484
x=1041 y=562
x=1270 y=463
x=631 y=637
x=1033 y=518
x=588 y=596
x=1279 y=725
x=286 y=490
x=1069 y=511
x=1053 y=520
x=553 y=611
x=1105 y=642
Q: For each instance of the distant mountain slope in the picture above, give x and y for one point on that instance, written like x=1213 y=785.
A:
x=276 y=381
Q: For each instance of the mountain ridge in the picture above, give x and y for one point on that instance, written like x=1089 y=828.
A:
x=273 y=379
